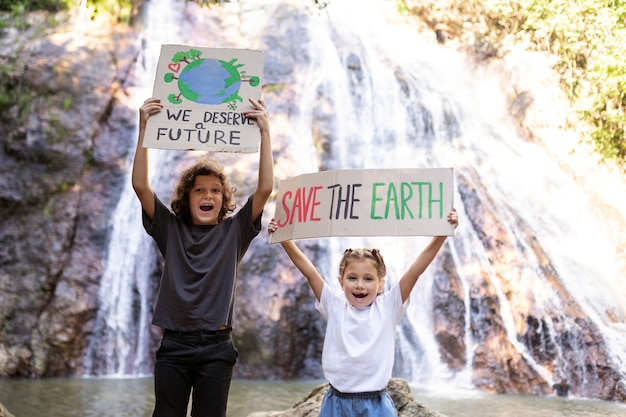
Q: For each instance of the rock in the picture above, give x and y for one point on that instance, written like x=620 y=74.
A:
x=64 y=133
x=398 y=389
x=4 y=412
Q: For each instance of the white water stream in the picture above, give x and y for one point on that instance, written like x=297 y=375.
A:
x=122 y=330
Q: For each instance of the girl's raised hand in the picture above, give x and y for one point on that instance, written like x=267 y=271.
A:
x=272 y=226
x=453 y=217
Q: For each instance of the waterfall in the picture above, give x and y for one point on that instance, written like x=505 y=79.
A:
x=120 y=344
x=401 y=100
x=359 y=87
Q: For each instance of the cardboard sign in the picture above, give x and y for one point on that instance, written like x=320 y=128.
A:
x=205 y=92
x=369 y=202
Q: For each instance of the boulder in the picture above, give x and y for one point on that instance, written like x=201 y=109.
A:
x=4 y=412
x=398 y=389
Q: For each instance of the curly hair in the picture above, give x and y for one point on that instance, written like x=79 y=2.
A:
x=373 y=254
x=180 y=198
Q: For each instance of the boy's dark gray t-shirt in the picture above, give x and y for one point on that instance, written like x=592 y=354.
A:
x=197 y=288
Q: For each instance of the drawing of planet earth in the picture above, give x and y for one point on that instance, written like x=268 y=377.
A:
x=210 y=81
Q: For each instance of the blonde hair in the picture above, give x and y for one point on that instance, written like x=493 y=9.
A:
x=180 y=199
x=362 y=253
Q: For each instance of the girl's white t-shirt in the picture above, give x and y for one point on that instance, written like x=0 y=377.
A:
x=359 y=345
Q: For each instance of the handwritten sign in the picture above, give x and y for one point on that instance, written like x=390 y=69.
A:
x=205 y=92
x=369 y=202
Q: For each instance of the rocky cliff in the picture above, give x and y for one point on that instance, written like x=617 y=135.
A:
x=64 y=132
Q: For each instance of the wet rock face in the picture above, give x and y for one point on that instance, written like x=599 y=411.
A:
x=504 y=362
x=64 y=137
x=449 y=315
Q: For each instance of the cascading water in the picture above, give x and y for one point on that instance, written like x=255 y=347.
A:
x=359 y=88
x=402 y=101
x=121 y=339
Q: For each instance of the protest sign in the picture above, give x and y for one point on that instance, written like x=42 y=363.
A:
x=205 y=92
x=367 y=202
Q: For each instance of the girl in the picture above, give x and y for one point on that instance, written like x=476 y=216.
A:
x=359 y=346
x=202 y=248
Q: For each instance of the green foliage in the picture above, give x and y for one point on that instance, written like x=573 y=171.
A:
x=30 y=5
x=587 y=36
x=67 y=103
x=90 y=159
x=13 y=93
x=55 y=132
x=121 y=10
x=16 y=16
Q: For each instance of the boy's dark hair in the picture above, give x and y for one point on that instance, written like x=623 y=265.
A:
x=180 y=199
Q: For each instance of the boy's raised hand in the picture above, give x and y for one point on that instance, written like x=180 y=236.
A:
x=149 y=107
x=258 y=113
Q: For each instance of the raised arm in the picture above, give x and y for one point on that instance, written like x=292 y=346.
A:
x=140 y=175
x=300 y=260
x=410 y=277
x=265 y=184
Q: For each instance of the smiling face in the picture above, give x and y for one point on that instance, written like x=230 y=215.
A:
x=360 y=282
x=205 y=200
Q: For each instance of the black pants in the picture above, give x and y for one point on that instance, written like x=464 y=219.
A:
x=202 y=361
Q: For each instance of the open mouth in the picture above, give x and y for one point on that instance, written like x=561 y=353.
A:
x=206 y=207
x=359 y=295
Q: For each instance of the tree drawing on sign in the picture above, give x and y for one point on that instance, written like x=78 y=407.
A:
x=207 y=80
